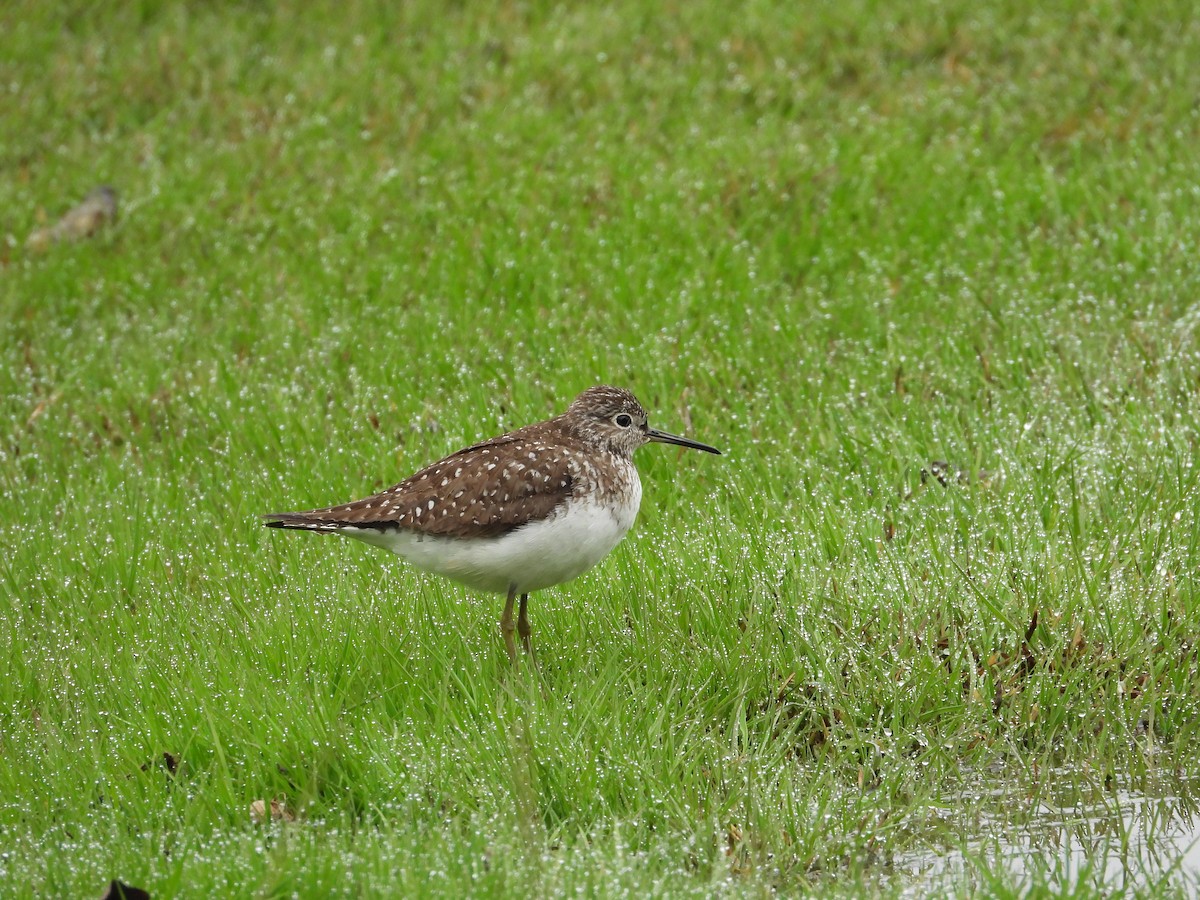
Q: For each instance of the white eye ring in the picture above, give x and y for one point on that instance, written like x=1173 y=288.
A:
x=624 y=420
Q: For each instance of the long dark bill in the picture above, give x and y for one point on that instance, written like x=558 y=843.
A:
x=665 y=437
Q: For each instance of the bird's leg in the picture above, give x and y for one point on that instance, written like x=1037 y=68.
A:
x=524 y=629
x=507 y=626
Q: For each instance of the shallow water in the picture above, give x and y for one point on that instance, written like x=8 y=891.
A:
x=1067 y=829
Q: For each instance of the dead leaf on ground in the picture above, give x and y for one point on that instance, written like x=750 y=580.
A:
x=276 y=810
x=99 y=208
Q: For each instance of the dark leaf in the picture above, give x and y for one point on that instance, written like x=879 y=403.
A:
x=118 y=890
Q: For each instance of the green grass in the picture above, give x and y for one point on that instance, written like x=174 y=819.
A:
x=840 y=241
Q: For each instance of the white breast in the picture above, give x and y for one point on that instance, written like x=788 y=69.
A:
x=534 y=556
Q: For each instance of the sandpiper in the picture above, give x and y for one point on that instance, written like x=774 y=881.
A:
x=523 y=511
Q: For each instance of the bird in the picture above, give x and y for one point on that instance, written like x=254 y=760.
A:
x=527 y=510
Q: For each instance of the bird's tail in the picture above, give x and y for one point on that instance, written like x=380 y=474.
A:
x=302 y=521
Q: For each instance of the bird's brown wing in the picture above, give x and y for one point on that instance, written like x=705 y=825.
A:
x=483 y=491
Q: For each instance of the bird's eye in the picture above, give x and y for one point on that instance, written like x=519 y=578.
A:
x=623 y=420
